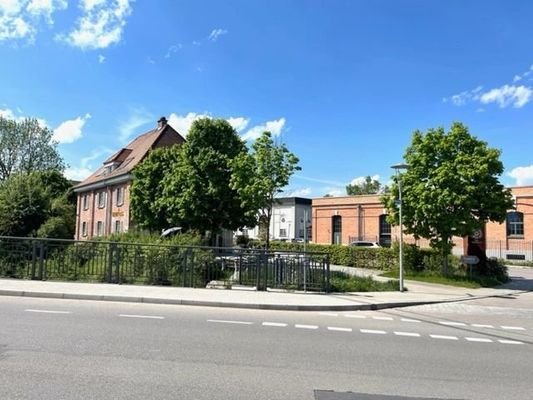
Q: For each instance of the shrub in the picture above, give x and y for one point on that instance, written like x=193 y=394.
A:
x=343 y=282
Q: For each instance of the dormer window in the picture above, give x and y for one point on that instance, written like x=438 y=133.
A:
x=110 y=167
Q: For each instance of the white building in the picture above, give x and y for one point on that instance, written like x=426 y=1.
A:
x=290 y=216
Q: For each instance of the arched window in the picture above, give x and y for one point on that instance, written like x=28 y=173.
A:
x=515 y=223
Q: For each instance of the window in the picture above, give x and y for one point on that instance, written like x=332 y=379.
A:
x=84 y=229
x=336 y=229
x=120 y=196
x=384 y=231
x=101 y=199
x=118 y=226
x=85 y=201
x=515 y=224
x=99 y=228
x=283 y=232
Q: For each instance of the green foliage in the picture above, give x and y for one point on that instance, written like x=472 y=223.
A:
x=148 y=203
x=197 y=190
x=260 y=176
x=451 y=187
x=343 y=282
x=26 y=147
x=369 y=186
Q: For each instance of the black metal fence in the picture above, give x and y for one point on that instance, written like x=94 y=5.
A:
x=160 y=264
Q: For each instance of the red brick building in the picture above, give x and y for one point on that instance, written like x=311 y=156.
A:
x=103 y=201
x=342 y=220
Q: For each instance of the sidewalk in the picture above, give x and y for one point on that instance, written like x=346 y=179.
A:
x=417 y=294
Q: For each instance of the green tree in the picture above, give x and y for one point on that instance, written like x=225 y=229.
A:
x=148 y=205
x=26 y=147
x=197 y=189
x=37 y=204
x=368 y=186
x=451 y=187
x=260 y=176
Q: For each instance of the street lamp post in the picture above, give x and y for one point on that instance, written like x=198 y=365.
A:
x=397 y=168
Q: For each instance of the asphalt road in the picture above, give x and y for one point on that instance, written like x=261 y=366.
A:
x=62 y=349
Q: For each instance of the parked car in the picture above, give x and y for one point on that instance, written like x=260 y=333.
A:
x=365 y=243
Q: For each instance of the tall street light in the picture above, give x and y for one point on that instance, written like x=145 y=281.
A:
x=397 y=168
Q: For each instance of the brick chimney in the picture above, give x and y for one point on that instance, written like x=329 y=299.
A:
x=162 y=122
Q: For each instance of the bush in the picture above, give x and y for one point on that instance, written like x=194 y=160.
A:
x=343 y=282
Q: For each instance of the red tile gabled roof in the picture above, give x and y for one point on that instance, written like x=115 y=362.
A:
x=132 y=154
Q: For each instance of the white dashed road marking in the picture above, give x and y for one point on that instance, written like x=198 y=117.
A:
x=478 y=339
x=278 y=324
x=383 y=318
x=451 y=323
x=47 y=311
x=412 y=334
x=141 y=316
x=373 y=331
x=221 y=321
x=444 y=337
x=482 y=326
x=504 y=341
x=355 y=316
x=338 y=329
x=409 y=320
x=306 y=326
x=513 y=328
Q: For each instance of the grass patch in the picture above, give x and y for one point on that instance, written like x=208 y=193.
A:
x=452 y=280
x=343 y=282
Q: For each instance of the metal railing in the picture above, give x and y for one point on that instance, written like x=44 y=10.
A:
x=161 y=264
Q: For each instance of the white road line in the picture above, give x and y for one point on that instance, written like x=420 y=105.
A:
x=279 y=324
x=451 y=323
x=444 y=337
x=513 y=328
x=329 y=314
x=504 y=341
x=478 y=339
x=482 y=326
x=306 y=326
x=222 y=321
x=383 y=318
x=413 y=334
x=338 y=329
x=141 y=316
x=47 y=311
x=409 y=320
x=373 y=331
x=355 y=316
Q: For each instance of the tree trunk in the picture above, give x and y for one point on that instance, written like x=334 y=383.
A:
x=445 y=256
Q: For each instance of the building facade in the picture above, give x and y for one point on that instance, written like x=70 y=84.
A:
x=290 y=217
x=342 y=220
x=103 y=199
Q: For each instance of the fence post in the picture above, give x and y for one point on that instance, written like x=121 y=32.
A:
x=33 y=259
x=110 y=263
x=42 y=271
x=327 y=274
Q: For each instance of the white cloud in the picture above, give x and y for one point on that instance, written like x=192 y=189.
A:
x=522 y=175
x=238 y=123
x=173 y=49
x=275 y=127
x=362 y=179
x=215 y=33
x=129 y=127
x=86 y=167
x=71 y=130
x=182 y=123
x=20 y=19
x=302 y=192
x=506 y=95
x=101 y=59
x=9 y=114
x=101 y=25
x=517 y=78
x=462 y=98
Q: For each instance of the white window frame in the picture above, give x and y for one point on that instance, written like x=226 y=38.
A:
x=84 y=228
x=99 y=228
x=101 y=199
x=118 y=226
x=120 y=196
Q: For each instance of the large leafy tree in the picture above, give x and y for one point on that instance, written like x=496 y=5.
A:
x=368 y=186
x=37 y=204
x=260 y=176
x=148 y=205
x=26 y=147
x=197 y=189
x=450 y=188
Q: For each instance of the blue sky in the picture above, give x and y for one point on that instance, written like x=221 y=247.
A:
x=343 y=83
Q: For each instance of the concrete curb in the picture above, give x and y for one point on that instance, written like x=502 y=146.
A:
x=204 y=303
